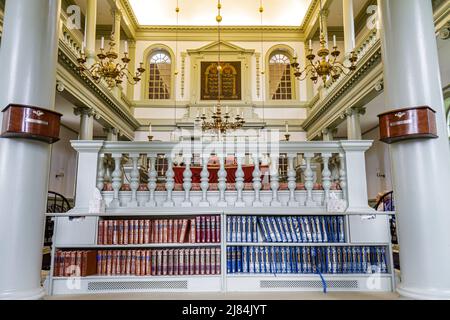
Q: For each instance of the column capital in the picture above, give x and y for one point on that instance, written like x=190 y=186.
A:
x=111 y=130
x=355 y=111
x=325 y=13
x=85 y=111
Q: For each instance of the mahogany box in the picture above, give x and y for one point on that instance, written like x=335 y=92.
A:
x=28 y=122
x=409 y=123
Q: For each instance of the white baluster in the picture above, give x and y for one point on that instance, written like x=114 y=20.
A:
x=222 y=183
x=309 y=180
x=134 y=183
x=170 y=183
x=343 y=176
x=275 y=179
x=257 y=185
x=292 y=181
x=101 y=173
x=117 y=180
x=152 y=179
x=187 y=184
x=240 y=175
x=326 y=177
x=204 y=203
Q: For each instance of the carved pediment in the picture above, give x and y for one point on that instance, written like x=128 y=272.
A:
x=225 y=47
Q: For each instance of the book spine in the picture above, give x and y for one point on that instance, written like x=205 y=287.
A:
x=170 y=231
x=183 y=231
x=212 y=261
x=257 y=260
x=115 y=232
x=189 y=260
x=245 y=259
x=286 y=229
x=101 y=230
x=176 y=231
x=121 y=231
x=262 y=225
x=233 y=229
x=80 y=266
x=341 y=229
x=170 y=262
x=181 y=261
x=198 y=230
x=193 y=231
x=208 y=229
x=254 y=222
x=153 y=262
x=146 y=232
x=110 y=232
x=176 y=262
x=203 y=229
x=218 y=261
x=324 y=230
x=318 y=229
x=239 y=228
x=218 y=229
x=251 y=260
x=229 y=238
x=213 y=229
x=229 y=267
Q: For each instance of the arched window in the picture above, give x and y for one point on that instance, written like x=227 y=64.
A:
x=280 y=77
x=160 y=76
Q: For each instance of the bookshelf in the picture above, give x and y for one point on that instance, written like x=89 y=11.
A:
x=80 y=232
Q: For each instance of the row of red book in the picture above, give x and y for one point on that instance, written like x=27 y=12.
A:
x=168 y=262
x=204 y=229
x=75 y=263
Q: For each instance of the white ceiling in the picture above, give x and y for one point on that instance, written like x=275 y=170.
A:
x=234 y=12
x=104 y=15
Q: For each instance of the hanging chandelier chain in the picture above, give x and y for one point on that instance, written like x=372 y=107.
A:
x=220 y=123
x=324 y=66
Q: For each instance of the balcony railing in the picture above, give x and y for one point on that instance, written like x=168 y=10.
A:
x=316 y=173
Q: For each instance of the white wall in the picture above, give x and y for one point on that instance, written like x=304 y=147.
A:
x=377 y=163
x=63 y=161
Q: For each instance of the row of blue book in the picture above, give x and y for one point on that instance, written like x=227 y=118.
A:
x=306 y=260
x=291 y=229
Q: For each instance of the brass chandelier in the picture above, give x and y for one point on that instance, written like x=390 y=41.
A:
x=220 y=122
x=108 y=69
x=325 y=67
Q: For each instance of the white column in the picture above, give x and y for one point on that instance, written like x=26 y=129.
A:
x=91 y=26
x=326 y=177
x=257 y=185
x=187 y=182
x=222 y=182
x=240 y=175
x=170 y=182
x=117 y=180
x=354 y=123
x=355 y=160
x=292 y=180
x=205 y=182
x=152 y=179
x=309 y=180
x=28 y=57
x=86 y=123
x=275 y=179
x=349 y=26
x=112 y=134
x=328 y=134
x=420 y=168
x=87 y=173
x=134 y=183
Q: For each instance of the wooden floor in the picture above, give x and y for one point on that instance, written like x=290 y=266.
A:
x=234 y=296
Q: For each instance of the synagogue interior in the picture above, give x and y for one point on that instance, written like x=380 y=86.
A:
x=280 y=149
